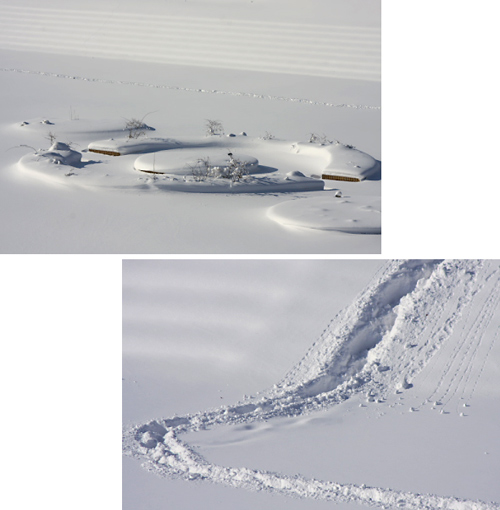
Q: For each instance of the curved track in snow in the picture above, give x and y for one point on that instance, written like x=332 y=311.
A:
x=377 y=345
x=314 y=50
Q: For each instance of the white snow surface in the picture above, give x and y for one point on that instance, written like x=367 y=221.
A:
x=392 y=407
x=329 y=213
x=267 y=68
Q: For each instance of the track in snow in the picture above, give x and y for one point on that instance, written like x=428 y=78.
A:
x=377 y=345
x=187 y=89
x=314 y=50
x=456 y=369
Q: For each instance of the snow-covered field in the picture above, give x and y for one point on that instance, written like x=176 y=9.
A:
x=75 y=73
x=238 y=391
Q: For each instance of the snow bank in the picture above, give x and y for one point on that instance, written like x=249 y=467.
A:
x=329 y=213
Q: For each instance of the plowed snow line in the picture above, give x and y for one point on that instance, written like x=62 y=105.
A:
x=393 y=310
x=187 y=89
x=337 y=52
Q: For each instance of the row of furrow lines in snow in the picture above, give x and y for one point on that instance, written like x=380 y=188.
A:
x=224 y=45
x=256 y=65
x=203 y=53
x=493 y=302
x=47 y=15
x=475 y=342
x=432 y=298
x=133 y=31
x=483 y=364
x=493 y=338
x=364 y=56
x=485 y=319
x=237 y=64
x=467 y=338
x=459 y=355
x=465 y=318
x=429 y=344
x=189 y=89
x=175 y=459
x=463 y=282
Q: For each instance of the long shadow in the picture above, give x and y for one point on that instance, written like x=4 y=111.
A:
x=262 y=169
x=376 y=176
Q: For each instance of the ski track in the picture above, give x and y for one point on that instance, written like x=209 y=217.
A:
x=187 y=89
x=457 y=372
x=314 y=50
x=492 y=302
x=400 y=312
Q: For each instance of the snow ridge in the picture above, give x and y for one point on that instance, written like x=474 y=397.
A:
x=342 y=348
x=187 y=89
x=376 y=345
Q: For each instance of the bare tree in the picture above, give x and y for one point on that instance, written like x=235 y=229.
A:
x=236 y=169
x=51 y=137
x=201 y=169
x=268 y=136
x=137 y=127
x=321 y=139
x=214 y=127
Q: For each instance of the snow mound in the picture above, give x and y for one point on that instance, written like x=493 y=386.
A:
x=329 y=213
x=192 y=161
x=341 y=162
x=215 y=164
x=59 y=154
x=121 y=146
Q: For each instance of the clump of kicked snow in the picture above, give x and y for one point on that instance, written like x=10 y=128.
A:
x=404 y=384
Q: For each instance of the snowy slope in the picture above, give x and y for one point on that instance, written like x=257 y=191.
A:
x=416 y=351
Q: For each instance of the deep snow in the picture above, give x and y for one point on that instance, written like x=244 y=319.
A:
x=394 y=402
x=259 y=67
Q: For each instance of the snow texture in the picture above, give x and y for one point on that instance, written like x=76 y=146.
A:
x=276 y=70
x=378 y=345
